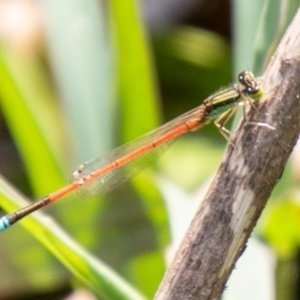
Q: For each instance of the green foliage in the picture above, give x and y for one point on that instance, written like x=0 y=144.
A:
x=99 y=89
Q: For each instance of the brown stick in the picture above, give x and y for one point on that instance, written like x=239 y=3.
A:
x=222 y=225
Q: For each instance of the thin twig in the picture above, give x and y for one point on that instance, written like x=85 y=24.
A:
x=222 y=225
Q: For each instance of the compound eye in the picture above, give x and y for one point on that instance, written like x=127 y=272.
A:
x=241 y=77
x=249 y=90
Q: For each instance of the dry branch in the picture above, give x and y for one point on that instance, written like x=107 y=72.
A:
x=222 y=225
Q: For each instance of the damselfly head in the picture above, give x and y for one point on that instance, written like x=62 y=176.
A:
x=252 y=86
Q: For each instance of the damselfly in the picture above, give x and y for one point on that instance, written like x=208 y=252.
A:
x=102 y=174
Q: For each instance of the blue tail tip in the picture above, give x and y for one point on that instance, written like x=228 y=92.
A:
x=4 y=224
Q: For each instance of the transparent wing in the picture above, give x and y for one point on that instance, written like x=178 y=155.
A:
x=115 y=178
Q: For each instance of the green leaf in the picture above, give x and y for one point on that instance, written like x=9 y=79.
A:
x=85 y=267
x=136 y=71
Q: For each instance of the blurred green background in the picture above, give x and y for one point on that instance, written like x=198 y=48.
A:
x=78 y=78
